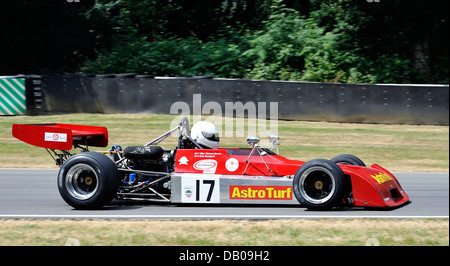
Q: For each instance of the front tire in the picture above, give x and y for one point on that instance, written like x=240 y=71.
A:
x=319 y=184
x=88 y=180
x=347 y=159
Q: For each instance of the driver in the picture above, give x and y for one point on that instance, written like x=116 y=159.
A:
x=205 y=134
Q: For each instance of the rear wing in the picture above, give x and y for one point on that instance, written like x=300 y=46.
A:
x=61 y=136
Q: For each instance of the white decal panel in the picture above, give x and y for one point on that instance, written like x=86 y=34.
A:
x=196 y=189
x=55 y=137
x=232 y=164
x=208 y=166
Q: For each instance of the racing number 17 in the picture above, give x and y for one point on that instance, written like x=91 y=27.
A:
x=210 y=192
x=200 y=189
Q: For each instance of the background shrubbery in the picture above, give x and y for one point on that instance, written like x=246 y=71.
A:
x=395 y=41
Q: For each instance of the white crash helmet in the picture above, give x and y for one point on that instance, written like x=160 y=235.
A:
x=205 y=134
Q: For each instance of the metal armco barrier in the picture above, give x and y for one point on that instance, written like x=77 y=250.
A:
x=12 y=96
x=34 y=94
x=334 y=102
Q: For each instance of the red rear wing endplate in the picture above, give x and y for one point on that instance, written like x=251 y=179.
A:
x=61 y=136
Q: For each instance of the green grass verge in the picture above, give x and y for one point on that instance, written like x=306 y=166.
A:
x=399 y=148
x=308 y=232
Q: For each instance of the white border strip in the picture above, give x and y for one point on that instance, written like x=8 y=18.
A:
x=137 y=216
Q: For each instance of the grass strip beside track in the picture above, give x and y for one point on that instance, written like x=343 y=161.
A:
x=308 y=232
x=399 y=148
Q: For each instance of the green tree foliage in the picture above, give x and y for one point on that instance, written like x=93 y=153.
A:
x=349 y=41
x=315 y=40
x=390 y=41
x=181 y=38
x=296 y=47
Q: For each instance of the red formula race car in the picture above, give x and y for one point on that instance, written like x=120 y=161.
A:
x=191 y=173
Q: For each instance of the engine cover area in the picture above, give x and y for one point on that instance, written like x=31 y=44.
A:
x=151 y=153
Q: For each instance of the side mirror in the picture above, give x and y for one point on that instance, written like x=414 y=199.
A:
x=252 y=140
x=274 y=139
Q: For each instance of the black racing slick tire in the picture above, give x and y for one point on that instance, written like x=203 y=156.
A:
x=319 y=185
x=347 y=159
x=88 y=180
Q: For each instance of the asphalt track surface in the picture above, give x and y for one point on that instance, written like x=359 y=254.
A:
x=33 y=193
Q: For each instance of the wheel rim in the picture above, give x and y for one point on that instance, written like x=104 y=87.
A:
x=317 y=185
x=82 y=182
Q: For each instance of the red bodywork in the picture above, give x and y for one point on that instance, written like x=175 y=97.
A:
x=61 y=136
x=372 y=187
x=375 y=186
x=218 y=162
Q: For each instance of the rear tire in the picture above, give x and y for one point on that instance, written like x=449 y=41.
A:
x=319 y=184
x=88 y=180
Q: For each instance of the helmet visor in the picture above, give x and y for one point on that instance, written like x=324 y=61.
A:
x=211 y=136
